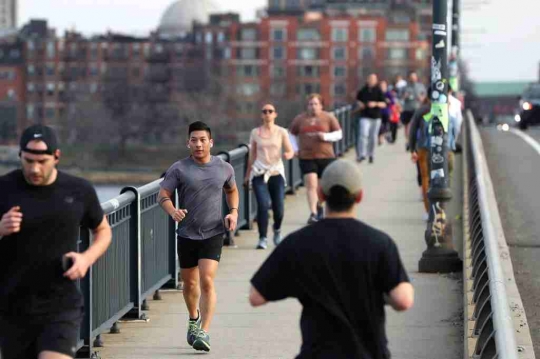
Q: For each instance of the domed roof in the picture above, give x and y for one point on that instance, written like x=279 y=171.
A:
x=179 y=16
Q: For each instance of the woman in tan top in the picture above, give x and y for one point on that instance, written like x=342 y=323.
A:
x=316 y=131
x=266 y=172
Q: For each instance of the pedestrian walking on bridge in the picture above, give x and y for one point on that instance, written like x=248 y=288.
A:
x=42 y=210
x=315 y=131
x=266 y=172
x=200 y=180
x=342 y=271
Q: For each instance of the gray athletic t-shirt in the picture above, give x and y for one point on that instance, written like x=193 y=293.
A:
x=200 y=191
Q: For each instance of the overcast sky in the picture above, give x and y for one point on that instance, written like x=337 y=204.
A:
x=501 y=38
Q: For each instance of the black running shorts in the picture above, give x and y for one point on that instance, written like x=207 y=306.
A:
x=23 y=337
x=315 y=166
x=406 y=117
x=190 y=250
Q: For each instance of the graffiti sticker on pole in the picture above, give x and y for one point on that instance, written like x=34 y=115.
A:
x=441 y=111
x=439 y=27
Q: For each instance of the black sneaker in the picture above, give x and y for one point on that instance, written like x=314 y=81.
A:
x=360 y=160
x=312 y=219
x=370 y=159
x=193 y=329
x=202 y=342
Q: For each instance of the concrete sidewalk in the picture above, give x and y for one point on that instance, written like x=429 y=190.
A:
x=432 y=329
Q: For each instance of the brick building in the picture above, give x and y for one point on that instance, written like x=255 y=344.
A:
x=297 y=47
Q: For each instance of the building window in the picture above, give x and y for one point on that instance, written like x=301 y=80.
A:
x=366 y=53
x=420 y=54
x=93 y=70
x=339 y=89
x=308 y=71
x=49 y=69
x=30 y=111
x=30 y=46
x=278 y=71
x=50 y=89
x=307 y=53
x=248 y=89
x=340 y=71
x=308 y=88
x=248 y=35
x=31 y=70
x=227 y=53
x=51 y=50
x=49 y=112
x=93 y=87
x=278 y=35
x=247 y=53
x=220 y=37
x=247 y=71
x=198 y=38
x=279 y=89
x=208 y=38
x=367 y=34
x=397 y=54
x=397 y=35
x=340 y=34
x=308 y=35
x=339 y=53
x=7 y=75
x=278 y=53
x=30 y=87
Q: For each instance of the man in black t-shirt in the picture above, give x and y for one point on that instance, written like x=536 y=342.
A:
x=342 y=271
x=41 y=211
x=370 y=100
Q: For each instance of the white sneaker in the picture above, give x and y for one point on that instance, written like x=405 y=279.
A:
x=263 y=243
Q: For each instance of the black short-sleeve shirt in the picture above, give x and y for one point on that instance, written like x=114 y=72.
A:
x=31 y=260
x=339 y=269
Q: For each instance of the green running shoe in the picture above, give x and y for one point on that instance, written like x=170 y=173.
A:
x=193 y=329
x=202 y=342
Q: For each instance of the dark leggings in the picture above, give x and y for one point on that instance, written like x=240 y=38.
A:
x=272 y=192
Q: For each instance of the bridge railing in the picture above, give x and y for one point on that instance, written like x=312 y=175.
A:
x=143 y=255
x=493 y=309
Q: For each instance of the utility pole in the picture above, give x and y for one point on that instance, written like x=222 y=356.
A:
x=440 y=256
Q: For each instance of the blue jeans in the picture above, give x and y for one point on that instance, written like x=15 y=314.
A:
x=266 y=193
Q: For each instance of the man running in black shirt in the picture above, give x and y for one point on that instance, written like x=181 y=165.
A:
x=41 y=210
x=342 y=271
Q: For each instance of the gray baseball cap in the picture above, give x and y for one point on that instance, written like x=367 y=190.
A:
x=342 y=173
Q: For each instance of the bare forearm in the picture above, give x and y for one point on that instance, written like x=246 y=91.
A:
x=232 y=198
x=167 y=206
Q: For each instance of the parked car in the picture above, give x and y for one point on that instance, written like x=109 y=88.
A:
x=529 y=107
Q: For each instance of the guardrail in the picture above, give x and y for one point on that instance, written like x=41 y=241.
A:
x=495 y=322
x=142 y=256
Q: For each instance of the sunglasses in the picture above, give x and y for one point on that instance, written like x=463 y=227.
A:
x=267 y=111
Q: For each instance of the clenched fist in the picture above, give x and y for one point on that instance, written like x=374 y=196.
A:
x=11 y=221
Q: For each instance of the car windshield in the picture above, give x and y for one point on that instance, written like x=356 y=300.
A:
x=533 y=92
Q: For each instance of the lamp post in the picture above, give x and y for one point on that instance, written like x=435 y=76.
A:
x=440 y=255
x=453 y=66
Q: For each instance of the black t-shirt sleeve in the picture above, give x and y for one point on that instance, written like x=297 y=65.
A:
x=360 y=96
x=93 y=213
x=391 y=270
x=274 y=279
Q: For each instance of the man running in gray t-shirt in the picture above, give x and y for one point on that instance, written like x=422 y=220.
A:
x=200 y=180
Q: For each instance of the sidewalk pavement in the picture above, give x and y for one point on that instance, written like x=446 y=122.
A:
x=431 y=329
